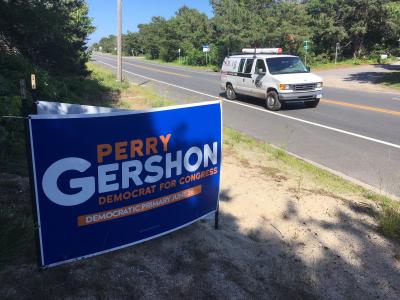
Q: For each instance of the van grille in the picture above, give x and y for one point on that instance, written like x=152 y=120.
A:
x=304 y=87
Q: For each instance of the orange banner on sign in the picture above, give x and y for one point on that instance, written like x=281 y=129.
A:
x=137 y=208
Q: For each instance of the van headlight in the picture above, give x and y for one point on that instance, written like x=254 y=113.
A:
x=285 y=87
x=318 y=85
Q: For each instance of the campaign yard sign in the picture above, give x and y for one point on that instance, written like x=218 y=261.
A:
x=106 y=181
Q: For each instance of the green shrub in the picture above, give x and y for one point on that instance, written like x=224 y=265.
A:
x=168 y=54
x=389 y=220
x=195 y=57
x=319 y=59
x=16 y=234
x=68 y=88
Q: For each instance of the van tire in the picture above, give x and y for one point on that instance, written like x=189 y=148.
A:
x=272 y=101
x=230 y=92
x=312 y=104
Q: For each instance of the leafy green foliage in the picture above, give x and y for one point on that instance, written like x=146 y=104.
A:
x=46 y=38
x=362 y=27
x=50 y=33
x=132 y=44
x=106 y=44
x=53 y=87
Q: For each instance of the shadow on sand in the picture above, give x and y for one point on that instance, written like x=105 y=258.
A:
x=199 y=262
x=374 y=77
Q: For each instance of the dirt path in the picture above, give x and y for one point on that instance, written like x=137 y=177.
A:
x=327 y=241
x=281 y=237
x=359 y=77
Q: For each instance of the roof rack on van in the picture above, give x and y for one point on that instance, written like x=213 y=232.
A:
x=262 y=50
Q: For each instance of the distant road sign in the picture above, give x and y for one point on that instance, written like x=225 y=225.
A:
x=206 y=48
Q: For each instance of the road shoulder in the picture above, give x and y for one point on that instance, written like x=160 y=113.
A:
x=362 y=78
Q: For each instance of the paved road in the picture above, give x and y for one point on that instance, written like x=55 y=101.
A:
x=353 y=132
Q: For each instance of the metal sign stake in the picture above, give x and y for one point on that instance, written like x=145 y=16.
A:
x=216 y=217
x=25 y=115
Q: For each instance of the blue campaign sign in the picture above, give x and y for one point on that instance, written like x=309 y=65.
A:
x=107 y=181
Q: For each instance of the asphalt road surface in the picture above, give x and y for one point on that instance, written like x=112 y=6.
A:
x=353 y=132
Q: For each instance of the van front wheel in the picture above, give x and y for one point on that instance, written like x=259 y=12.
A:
x=230 y=92
x=272 y=102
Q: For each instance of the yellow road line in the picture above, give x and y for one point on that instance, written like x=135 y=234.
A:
x=157 y=70
x=364 y=107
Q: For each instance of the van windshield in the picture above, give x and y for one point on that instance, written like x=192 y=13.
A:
x=285 y=65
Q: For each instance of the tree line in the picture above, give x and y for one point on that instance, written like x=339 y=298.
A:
x=50 y=34
x=47 y=38
x=362 y=28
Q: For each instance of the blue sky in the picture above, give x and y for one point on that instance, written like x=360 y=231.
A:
x=134 y=12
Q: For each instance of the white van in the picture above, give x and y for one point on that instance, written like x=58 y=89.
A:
x=269 y=75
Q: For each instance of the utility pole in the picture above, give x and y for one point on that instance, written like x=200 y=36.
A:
x=119 y=40
x=399 y=46
x=306 y=50
x=336 y=52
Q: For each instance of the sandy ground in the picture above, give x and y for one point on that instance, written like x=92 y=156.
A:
x=359 y=77
x=281 y=236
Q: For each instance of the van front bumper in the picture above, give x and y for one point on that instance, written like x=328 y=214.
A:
x=302 y=96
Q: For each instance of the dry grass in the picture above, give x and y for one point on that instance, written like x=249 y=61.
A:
x=388 y=215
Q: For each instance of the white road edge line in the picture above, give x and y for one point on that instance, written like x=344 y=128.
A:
x=141 y=62
x=172 y=68
x=268 y=111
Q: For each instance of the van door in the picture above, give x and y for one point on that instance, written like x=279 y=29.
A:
x=245 y=78
x=259 y=76
x=238 y=79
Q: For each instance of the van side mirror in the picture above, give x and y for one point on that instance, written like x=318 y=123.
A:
x=308 y=69
x=260 y=71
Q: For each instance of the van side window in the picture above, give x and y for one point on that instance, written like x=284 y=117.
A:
x=249 y=65
x=261 y=65
x=240 y=70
